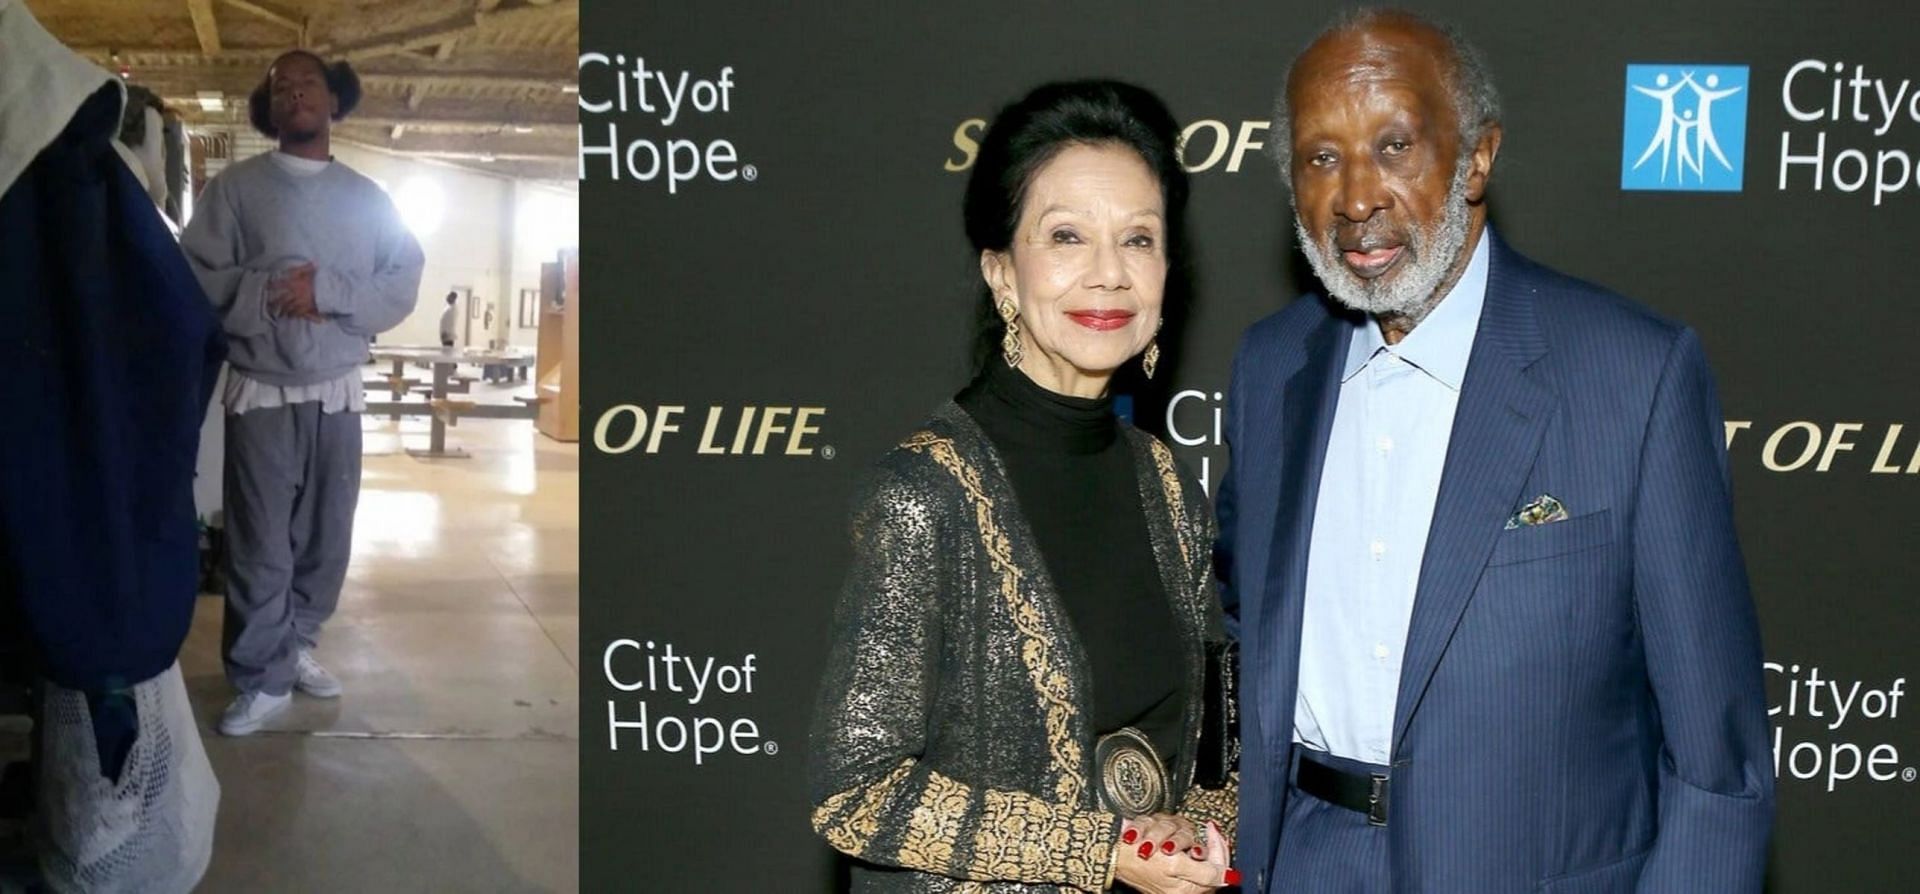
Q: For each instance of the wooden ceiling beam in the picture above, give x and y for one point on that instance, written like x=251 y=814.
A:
x=549 y=146
x=405 y=41
x=556 y=111
x=475 y=80
x=174 y=56
x=429 y=123
x=449 y=29
x=502 y=68
x=204 y=26
x=239 y=78
x=278 y=18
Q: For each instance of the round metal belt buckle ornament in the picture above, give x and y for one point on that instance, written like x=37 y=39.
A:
x=1133 y=779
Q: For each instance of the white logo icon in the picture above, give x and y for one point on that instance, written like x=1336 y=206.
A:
x=1685 y=137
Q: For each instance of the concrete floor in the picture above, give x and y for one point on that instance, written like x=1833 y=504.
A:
x=451 y=763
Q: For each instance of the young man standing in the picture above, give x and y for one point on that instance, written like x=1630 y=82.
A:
x=305 y=261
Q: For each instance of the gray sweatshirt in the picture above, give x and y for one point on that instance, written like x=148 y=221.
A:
x=256 y=219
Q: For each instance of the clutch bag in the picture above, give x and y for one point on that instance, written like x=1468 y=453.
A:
x=1219 y=748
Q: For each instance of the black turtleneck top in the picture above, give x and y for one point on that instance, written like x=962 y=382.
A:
x=1073 y=475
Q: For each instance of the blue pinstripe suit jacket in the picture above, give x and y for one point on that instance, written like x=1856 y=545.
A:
x=1581 y=706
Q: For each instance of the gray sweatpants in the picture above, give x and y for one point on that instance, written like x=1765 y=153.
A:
x=292 y=482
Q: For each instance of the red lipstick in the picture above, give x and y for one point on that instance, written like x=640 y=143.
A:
x=1102 y=320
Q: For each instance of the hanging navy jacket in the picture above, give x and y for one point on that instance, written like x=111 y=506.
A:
x=108 y=353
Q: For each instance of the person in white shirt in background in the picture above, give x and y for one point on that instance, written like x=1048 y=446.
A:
x=448 y=319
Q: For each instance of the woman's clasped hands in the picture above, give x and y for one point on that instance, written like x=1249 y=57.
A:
x=1163 y=854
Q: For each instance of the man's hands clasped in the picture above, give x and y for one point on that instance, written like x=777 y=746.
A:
x=290 y=295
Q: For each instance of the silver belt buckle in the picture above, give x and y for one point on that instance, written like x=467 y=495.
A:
x=1133 y=779
x=1376 y=799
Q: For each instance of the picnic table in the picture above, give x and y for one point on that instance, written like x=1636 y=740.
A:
x=441 y=404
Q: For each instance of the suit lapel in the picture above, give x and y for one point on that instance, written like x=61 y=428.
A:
x=1497 y=431
x=1306 y=422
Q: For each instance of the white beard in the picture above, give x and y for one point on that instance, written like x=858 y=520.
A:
x=1413 y=293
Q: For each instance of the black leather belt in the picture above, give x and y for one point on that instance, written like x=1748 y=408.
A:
x=1359 y=792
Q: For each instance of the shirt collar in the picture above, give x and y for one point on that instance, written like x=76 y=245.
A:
x=304 y=167
x=1441 y=344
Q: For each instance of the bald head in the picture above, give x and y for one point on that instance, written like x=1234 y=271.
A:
x=1384 y=40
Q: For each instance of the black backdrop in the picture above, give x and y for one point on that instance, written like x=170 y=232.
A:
x=814 y=270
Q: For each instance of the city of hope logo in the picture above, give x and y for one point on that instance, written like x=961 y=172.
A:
x=1686 y=128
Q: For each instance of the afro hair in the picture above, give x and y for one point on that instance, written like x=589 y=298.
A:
x=342 y=81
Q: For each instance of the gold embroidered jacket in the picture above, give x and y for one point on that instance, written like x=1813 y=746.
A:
x=951 y=746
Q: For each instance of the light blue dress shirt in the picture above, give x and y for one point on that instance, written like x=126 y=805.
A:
x=1377 y=491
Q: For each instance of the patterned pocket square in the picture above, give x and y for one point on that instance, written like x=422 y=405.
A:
x=1543 y=510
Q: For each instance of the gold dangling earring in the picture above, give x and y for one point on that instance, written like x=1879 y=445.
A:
x=1151 y=360
x=1010 y=343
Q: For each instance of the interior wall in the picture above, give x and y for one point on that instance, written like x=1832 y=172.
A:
x=462 y=246
x=547 y=220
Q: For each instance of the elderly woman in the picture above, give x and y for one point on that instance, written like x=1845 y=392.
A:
x=1014 y=698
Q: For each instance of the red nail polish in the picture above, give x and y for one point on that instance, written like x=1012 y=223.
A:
x=1233 y=876
x=1130 y=836
x=1146 y=851
x=1199 y=853
x=1166 y=847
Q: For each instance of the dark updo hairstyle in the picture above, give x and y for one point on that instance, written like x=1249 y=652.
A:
x=342 y=81
x=1029 y=133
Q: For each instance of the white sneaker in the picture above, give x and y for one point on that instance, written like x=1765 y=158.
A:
x=314 y=679
x=252 y=709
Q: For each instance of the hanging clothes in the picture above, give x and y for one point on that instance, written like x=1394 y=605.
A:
x=108 y=353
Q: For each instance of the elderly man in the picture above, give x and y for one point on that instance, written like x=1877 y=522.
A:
x=1476 y=533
